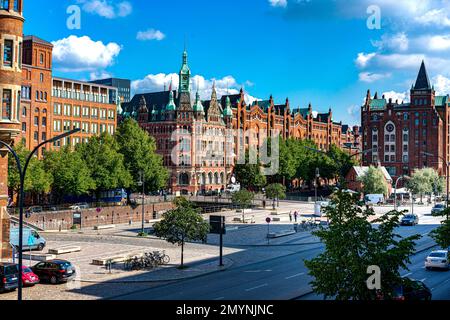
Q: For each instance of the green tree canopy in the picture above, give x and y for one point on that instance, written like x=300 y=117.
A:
x=250 y=175
x=425 y=181
x=71 y=176
x=139 y=151
x=243 y=198
x=352 y=244
x=182 y=224
x=374 y=181
x=105 y=162
x=276 y=191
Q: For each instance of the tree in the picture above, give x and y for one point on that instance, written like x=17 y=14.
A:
x=105 y=163
x=249 y=175
x=139 y=151
x=275 y=191
x=343 y=162
x=13 y=173
x=442 y=234
x=71 y=176
x=182 y=224
x=374 y=181
x=243 y=199
x=40 y=179
x=425 y=181
x=352 y=244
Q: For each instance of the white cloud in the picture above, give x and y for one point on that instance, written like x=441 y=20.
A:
x=354 y=112
x=400 y=96
x=437 y=17
x=372 y=77
x=150 y=34
x=278 y=3
x=97 y=75
x=106 y=8
x=441 y=85
x=438 y=43
x=363 y=59
x=83 y=54
x=157 y=82
x=396 y=42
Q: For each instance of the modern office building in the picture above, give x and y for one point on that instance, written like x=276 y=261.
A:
x=123 y=87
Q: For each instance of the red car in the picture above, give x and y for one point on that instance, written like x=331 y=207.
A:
x=29 y=278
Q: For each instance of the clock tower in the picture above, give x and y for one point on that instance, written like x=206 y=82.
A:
x=185 y=75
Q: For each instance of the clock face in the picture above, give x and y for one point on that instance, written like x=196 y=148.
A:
x=390 y=127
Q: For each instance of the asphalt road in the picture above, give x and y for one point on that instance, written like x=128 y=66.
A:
x=283 y=278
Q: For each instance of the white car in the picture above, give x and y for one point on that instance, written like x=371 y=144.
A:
x=437 y=259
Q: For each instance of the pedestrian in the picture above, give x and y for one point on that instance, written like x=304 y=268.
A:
x=295 y=215
x=290 y=216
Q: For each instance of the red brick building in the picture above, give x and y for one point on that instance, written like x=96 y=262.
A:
x=11 y=26
x=407 y=135
x=201 y=156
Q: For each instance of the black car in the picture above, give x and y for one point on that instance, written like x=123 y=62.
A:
x=409 y=220
x=54 y=271
x=411 y=289
x=8 y=277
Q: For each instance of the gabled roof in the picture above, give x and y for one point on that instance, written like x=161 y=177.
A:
x=303 y=112
x=361 y=171
x=423 y=81
x=322 y=117
x=234 y=98
x=440 y=101
x=345 y=128
x=155 y=101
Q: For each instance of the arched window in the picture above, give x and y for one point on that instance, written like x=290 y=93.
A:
x=216 y=178
x=210 y=178
x=184 y=179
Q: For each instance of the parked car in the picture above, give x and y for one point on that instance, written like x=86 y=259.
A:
x=437 y=209
x=79 y=206
x=8 y=277
x=411 y=289
x=35 y=209
x=29 y=278
x=31 y=239
x=409 y=220
x=438 y=259
x=54 y=271
x=371 y=199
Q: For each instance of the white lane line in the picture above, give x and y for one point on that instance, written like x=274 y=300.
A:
x=432 y=289
x=295 y=275
x=254 y=288
x=219 y=298
x=408 y=274
x=423 y=279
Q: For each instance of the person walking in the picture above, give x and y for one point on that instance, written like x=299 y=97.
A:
x=295 y=215
x=290 y=216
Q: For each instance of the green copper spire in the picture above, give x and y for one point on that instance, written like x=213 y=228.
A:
x=198 y=106
x=227 y=112
x=185 y=75
x=171 y=105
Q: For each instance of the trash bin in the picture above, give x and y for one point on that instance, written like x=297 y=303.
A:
x=264 y=204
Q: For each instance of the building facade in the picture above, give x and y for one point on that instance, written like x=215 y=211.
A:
x=200 y=141
x=123 y=87
x=409 y=135
x=11 y=39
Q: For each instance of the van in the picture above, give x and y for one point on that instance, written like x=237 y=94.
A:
x=31 y=239
x=371 y=199
x=232 y=188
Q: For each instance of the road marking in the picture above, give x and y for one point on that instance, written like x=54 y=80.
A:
x=256 y=271
x=219 y=298
x=295 y=275
x=254 y=288
x=423 y=279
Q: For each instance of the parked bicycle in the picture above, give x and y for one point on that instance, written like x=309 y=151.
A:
x=148 y=260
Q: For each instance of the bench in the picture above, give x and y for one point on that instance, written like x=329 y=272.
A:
x=280 y=234
x=115 y=259
x=278 y=213
x=104 y=227
x=64 y=250
x=246 y=220
x=281 y=219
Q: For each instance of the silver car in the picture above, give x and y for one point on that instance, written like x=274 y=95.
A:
x=437 y=259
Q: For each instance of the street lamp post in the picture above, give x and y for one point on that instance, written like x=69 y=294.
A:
x=395 y=191
x=447 y=173
x=315 y=181
x=22 y=173
x=141 y=182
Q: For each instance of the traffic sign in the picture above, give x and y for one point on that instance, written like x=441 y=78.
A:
x=217 y=224
x=268 y=220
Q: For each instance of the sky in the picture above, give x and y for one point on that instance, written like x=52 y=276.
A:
x=324 y=52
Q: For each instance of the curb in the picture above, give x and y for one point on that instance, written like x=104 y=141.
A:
x=158 y=280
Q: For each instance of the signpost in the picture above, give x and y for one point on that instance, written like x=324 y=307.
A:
x=268 y=220
x=217 y=224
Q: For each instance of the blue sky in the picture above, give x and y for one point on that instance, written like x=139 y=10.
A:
x=318 y=51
